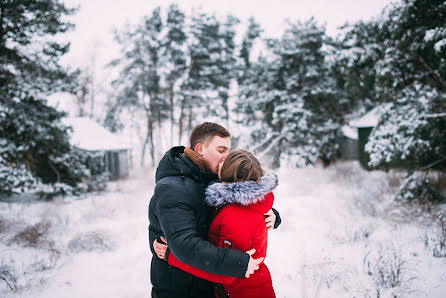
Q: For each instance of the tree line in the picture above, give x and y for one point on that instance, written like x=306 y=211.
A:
x=293 y=92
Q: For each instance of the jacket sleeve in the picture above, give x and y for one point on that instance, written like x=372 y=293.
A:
x=200 y=273
x=278 y=219
x=178 y=223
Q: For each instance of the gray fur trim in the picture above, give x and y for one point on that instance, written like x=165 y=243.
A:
x=244 y=193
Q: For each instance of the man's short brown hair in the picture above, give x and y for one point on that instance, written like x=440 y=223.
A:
x=204 y=132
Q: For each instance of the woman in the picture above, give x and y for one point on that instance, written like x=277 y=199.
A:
x=240 y=200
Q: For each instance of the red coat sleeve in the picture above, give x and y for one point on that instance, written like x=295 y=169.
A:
x=172 y=260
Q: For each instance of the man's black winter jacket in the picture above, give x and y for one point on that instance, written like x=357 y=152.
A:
x=178 y=211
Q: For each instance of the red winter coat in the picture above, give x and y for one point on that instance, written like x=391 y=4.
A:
x=241 y=225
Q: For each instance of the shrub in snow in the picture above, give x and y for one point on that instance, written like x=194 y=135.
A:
x=410 y=134
x=3 y=225
x=34 y=236
x=418 y=186
x=7 y=275
x=46 y=262
x=35 y=154
x=15 y=178
x=91 y=241
x=75 y=174
x=436 y=241
x=389 y=270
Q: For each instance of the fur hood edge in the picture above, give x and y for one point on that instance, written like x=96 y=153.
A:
x=244 y=193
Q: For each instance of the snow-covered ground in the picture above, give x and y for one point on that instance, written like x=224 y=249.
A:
x=341 y=236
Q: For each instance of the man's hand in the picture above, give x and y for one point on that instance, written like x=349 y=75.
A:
x=160 y=248
x=270 y=219
x=253 y=264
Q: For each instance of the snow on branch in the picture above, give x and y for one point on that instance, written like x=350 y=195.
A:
x=271 y=145
x=266 y=140
x=437 y=115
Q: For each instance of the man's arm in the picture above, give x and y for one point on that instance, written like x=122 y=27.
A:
x=272 y=221
x=178 y=223
x=252 y=266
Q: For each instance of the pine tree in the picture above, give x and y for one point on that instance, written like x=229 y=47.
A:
x=290 y=98
x=413 y=127
x=36 y=155
x=356 y=68
x=139 y=84
x=212 y=67
x=174 y=44
x=399 y=58
x=252 y=33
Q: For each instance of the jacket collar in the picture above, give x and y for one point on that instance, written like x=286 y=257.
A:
x=243 y=193
x=174 y=163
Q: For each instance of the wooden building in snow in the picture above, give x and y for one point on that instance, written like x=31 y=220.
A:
x=88 y=135
x=364 y=126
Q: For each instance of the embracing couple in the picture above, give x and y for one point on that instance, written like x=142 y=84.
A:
x=209 y=219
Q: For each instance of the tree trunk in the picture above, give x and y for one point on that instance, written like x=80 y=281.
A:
x=226 y=108
x=181 y=120
x=146 y=140
x=171 y=112
x=191 y=115
x=92 y=97
x=152 y=145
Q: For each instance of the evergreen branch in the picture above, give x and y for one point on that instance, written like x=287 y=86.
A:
x=432 y=164
x=50 y=164
x=434 y=76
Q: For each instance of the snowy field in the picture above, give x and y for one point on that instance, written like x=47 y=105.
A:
x=341 y=236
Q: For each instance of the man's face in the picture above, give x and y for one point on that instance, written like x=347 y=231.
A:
x=215 y=151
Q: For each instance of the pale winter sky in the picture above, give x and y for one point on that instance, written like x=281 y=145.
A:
x=92 y=44
x=95 y=20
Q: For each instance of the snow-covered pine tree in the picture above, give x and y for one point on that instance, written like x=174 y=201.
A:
x=35 y=154
x=139 y=85
x=414 y=128
x=174 y=43
x=253 y=32
x=355 y=66
x=411 y=73
x=290 y=99
x=211 y=50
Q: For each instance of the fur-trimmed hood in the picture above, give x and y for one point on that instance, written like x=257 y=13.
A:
x=244 y=193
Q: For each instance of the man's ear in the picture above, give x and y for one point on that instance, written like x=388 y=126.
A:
x=199 y=148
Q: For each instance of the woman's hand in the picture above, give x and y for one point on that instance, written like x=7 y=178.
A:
x=160 y=248
x=270 y=219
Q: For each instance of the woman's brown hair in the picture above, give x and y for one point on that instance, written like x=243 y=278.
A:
x=240 y=165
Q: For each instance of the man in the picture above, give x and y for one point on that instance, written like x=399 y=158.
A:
x=178 y=212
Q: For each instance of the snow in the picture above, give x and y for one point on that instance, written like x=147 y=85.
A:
x=349 y=132
x=371 y=118
x=338 y=224
x=439 y=45
x=89 y=135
